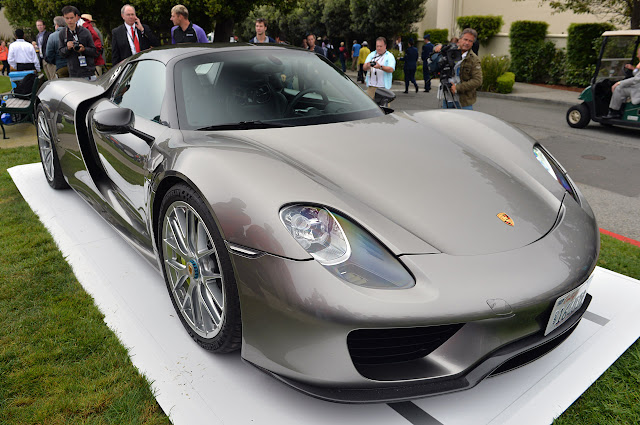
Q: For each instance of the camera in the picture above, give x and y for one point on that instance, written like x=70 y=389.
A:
x=76 y=46
x=373 y=63
x=443 y=63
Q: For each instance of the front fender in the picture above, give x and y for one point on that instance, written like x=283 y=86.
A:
x=586 y=95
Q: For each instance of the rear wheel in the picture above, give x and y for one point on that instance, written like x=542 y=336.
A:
x=198 y=272
x=578 y=116
x=48 y=155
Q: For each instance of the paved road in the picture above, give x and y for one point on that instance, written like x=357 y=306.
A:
x=604 y=162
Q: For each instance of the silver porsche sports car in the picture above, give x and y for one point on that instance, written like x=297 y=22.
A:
x=354 y=253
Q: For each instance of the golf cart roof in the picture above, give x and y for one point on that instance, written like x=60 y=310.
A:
x=620 y=33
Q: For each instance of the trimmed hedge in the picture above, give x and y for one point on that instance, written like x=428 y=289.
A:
x=528 y=30
x=583 y=44
x=398 y=74
x=505 y=82
x=486 y=26
x=531 y=55
x=438 y=36
x=492 y=68
x=580 y=47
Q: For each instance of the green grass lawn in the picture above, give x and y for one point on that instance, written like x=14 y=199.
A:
x=60 y=363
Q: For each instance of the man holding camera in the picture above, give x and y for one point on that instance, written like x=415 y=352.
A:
x=469 y=70
x=379 y=67
x=76 y=45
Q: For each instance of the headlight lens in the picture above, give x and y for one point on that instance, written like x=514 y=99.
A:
x=344 y=248
x=317 y=231
x=557 y=172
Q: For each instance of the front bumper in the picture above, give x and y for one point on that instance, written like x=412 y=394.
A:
x=297 y=317
x=502 y=360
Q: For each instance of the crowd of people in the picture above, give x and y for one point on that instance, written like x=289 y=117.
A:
x=76 y=49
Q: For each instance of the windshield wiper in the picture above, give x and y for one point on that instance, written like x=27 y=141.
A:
x=243 y=125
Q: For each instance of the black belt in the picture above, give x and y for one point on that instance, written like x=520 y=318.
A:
x=25 y=67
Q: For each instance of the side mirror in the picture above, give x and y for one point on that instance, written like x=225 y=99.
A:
x=119 y=121
x=116 y=120
x=384 y=97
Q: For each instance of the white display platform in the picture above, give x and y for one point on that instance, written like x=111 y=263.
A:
x=196 y=387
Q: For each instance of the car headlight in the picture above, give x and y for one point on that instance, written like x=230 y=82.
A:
x=555 y=169
x=344 y=248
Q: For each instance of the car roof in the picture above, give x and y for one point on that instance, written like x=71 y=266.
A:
x=169 y=52
x=621 y=33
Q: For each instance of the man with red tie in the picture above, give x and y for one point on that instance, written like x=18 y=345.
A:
x=130 y=37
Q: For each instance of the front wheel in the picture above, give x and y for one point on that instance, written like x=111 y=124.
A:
x=578 y=116
x=198 y=272
x=48 y=155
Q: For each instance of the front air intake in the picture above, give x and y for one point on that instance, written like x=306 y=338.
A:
x=387 y=346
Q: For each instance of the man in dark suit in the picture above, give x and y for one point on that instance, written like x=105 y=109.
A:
x=131 y=37
x=41 y=42
x=427 y=51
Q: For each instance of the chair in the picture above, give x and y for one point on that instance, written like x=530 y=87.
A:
x=21 y=105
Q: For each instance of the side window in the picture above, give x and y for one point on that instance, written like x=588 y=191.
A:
x=141 y=89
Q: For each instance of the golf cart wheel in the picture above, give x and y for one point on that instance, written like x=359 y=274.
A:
x=578 y=116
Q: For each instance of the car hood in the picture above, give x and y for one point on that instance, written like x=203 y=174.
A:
x=444 y=176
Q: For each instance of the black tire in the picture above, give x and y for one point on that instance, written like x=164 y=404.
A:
x=198 y=271
x=578 y=116
x=48 y=154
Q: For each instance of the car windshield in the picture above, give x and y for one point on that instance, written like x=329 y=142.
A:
x=618 y=51
x=262 y=88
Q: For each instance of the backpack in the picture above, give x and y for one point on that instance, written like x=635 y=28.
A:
x=25 y=86
x=331 y=55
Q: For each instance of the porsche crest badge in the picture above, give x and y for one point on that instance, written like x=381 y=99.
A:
x=505 y=218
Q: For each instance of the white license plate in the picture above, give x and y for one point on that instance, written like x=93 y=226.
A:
x=566 y=305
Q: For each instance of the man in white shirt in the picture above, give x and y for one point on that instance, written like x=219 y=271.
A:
x=22 y=55
x=379 y=66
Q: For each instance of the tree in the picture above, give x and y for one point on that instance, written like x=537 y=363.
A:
x=625 y=12
x=24 y=13
x=294 y=24
x=337 y=19
x=340 y=19
x=227 y=12
x=374 y=18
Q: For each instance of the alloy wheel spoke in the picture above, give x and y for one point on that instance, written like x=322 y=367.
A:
x=215 y=294
x=179 y=268
x=44 y=128
x=211 y=311
x=192 y=294
x=47 y=159
x=180 y=283
x=210 y=275
x=204 y=246
x=45 y=145
x=192 y=231
x=176 y=228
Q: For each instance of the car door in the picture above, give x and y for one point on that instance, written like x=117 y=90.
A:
x=124 y=155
